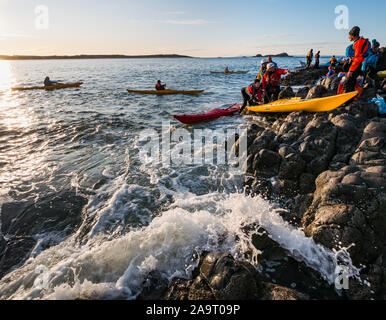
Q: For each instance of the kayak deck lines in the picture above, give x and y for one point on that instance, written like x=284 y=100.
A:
x=166 y=92
x=311 y=105
x=54 y=87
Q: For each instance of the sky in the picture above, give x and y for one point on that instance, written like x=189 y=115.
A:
x=199 y=28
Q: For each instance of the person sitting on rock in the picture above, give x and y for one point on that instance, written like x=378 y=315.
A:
x=160 y=86
x=331 y=72
x=317 y=60
x=310 y=56
x=361 y=47
x=251 y=95
x=271 y=83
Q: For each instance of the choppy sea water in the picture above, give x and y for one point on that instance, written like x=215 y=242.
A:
x=79 y=148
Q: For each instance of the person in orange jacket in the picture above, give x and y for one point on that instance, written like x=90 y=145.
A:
x=271 y=82
x=361 y=46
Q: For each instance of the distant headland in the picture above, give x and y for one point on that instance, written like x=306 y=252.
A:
x=284 y=54
x=83 y=56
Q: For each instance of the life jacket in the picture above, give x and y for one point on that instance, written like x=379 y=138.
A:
x=159 y=86
x=361 y=47
x=274 y=78
x=310 y=55
x=253 y=92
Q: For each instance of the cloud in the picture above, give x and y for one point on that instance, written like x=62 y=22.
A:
x=187 y=22
x=276 y=36
x=4 y=36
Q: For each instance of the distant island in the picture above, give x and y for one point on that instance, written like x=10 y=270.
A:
x=83 y=56
x=284 y=54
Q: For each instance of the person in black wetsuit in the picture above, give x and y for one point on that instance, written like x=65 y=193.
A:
x=251 y=95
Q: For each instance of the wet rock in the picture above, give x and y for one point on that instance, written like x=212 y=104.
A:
x=285 y=188
x=277 y=266
x=220 y=277
x=316 y=92
x=306 y=183
x=302 y=92
x=60 y=214
x=275 y=292
x=304 y=77
x=286 y=93
x=266 y=140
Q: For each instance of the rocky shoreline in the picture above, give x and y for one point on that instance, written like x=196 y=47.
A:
x=328 y=173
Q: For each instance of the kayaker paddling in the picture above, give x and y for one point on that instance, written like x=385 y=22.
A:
x=48 y=82
x=159 y=86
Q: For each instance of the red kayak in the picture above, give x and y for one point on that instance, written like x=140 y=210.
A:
x=208 y=115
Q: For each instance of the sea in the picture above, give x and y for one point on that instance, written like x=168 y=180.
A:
x=84 y=216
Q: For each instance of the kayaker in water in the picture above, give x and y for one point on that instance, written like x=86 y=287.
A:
x=48 y=82
x=361 y=47
x=271 y=82
x=262 y=70
x=317 y=60
x=160 y=86
x=310 y=56
x=226 y=70
x=251 y=95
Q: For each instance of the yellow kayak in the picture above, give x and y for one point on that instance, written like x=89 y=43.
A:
x=229 y=72
x=311 y=105
x=57 y=86
x=382 y=74
x=165 y=92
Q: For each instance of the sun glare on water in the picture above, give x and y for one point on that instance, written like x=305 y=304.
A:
x=5 y=74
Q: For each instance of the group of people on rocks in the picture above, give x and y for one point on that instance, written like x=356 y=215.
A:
x=266 y=86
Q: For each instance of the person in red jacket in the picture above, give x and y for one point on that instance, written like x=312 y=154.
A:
x=160 y=86
x=271 y=83
x=361 y=46
x=251 y=95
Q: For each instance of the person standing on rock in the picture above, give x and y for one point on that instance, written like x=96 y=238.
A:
x=317 y=60
x=262 y=70
x=310 y=56
x=271 y=82
x=361 y=46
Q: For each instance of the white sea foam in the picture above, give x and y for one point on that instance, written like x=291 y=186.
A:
x=118 y=268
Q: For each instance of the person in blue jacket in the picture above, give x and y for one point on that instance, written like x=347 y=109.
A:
x=369 y=67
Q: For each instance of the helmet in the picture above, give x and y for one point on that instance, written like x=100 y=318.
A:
x=264 y=61
x=270 y=65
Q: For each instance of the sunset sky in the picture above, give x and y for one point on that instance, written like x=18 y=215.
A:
x=209 y=28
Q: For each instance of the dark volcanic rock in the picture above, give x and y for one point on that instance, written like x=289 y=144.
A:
x=316 y=92
x=60 y=213
x=302 y=92
x=219 y=277
x=286 y=93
